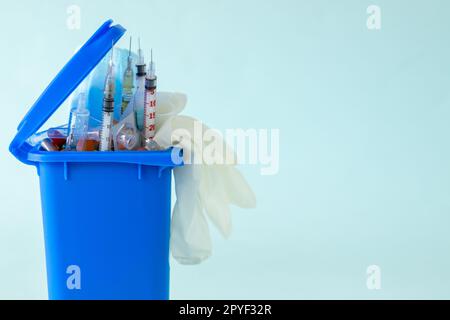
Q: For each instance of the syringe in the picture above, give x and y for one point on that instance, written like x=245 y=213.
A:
x=140 y=66
x=128 y=83
x=108 y=106
x=78 y=122
x=150 y=101
x=139 y=96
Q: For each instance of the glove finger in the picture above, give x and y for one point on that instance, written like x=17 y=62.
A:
x=190 y=237
x=190 y=240
x=236 y=187
x=216 y=202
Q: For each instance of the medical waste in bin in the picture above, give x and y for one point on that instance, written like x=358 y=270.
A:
x=106 y=214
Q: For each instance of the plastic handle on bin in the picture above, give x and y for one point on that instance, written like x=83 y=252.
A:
x=67 y=80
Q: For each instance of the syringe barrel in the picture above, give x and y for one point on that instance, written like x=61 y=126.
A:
x=150 y=108
x=105 y=133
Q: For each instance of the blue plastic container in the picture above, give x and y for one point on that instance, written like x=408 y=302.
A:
x=106 y=214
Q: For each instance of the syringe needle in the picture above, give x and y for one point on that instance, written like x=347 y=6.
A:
x=129 y=51
x=111 y=59
x=127 y=83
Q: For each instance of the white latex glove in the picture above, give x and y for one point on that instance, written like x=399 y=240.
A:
x=202 y=190
x=169 y=104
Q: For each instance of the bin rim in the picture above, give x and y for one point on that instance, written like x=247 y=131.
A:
x=171 y=157
x=65 y=82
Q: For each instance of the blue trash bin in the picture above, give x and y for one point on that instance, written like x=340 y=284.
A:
x=106 y=214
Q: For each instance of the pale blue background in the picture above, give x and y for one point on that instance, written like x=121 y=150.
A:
x=365 y=164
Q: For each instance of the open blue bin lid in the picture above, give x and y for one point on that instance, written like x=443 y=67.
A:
x=67 y=80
